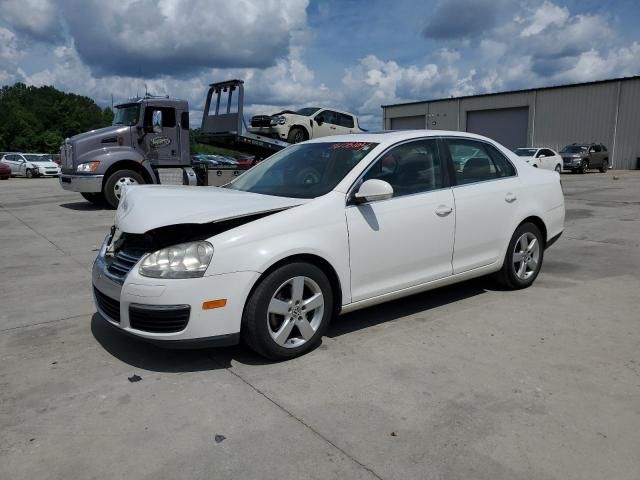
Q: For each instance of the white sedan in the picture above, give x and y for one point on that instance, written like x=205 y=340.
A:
x=541 y=158
x=31 y=165
x=318 y=229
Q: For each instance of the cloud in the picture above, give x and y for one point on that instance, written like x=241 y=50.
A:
x=162 y=37
x=546 y=15
x=37 y=19
x=462 y=18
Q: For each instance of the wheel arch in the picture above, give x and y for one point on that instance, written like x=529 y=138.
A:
x=318 y=261
x=303 y=127
x=538 y=222
x=129 y=165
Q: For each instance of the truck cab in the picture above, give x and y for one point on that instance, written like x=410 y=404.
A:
x=147 y=143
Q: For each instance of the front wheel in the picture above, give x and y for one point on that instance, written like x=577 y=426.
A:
x=116 y=183
x=29 y=173
x=604 y=167
x=288 y=311
x=584 y=166
x=297 y=135
x=523 y=259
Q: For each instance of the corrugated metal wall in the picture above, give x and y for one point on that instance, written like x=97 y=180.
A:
x=557 y=116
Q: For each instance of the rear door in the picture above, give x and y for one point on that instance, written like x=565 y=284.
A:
x=346 y=123
x=486 y=195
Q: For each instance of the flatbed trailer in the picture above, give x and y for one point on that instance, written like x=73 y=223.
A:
x=224 y=125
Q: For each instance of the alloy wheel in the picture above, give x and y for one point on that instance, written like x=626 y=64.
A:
x=295 y=312
x=526 y=256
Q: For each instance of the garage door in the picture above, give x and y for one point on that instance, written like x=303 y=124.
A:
x=408 y=123
x=506 y=125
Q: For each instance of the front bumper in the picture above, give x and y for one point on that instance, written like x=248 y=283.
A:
x=81 y=183
x=219 y=326
x=280 y=131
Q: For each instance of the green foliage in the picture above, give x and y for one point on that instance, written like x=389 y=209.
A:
x=38 y=119
x=208 y=149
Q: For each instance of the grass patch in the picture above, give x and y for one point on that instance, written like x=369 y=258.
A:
x=211 y=150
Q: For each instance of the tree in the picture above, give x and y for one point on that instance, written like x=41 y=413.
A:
x=38 y=119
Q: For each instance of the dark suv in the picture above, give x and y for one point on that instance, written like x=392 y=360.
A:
x=579 y=157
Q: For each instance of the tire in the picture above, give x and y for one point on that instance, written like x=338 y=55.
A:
x=272 y=308
x=535 y=166
x=28 y=174
x=113 y=185
x=297 y=135
x=95 y=198
x=584 y=166
x=513 y=276
x=604 y=167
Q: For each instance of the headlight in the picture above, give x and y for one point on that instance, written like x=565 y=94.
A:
x=87 y=167
x=278 y=120
x=186 y=260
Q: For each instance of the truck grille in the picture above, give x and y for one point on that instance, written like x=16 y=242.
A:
x=261 y=121
x=159 y=318
x=66 y=156
x=123 y=262
x=109 y=306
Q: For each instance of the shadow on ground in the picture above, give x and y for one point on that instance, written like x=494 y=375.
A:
x=140 y=354
x=83 y=206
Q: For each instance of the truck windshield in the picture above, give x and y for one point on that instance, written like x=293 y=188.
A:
x=308 y=111
x=303 y=171
x=126 y=114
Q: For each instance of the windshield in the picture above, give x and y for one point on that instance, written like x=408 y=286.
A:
x=126 y=115
x=303 y=171
x=525 y=152
x=308 y=111
x=573 y=149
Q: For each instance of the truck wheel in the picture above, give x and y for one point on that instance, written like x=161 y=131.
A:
x=604 y=167
x=113 y=187
x=95 y=198
x=297 y=135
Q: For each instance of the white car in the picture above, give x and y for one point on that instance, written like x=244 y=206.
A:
x=304 y=124
x=318 y=229
x=541 y=158
x=31 y=165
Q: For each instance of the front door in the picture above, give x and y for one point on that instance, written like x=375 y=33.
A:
x=325 y=124
x=161 y=140
x=406 y=240
x=485 y=197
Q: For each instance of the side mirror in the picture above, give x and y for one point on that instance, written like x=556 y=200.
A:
x=541 y=156
x=319 y=120
x=591 y=150
x=157 y=128
x=373 y=190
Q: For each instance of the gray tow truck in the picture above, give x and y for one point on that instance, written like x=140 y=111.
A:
x=148 y=143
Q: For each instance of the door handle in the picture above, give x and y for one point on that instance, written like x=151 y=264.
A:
x=510 y=198
x=443 y=210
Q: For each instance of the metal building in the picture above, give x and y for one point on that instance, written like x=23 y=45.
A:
x=606 y=112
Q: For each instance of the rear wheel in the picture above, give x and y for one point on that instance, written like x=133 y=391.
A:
x=288 y=312
x=117 y=182
x=604 y=167
x=297 y=135
x=95 y=198
x=523 y=259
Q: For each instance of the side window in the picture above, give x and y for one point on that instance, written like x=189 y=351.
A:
x=475 y=161
x=184 y=120
x=410 y=168
x=328 y=116
x=596 y=148
x=164 y=116
x=604 y=149
x=547 y=153
x=345 y=120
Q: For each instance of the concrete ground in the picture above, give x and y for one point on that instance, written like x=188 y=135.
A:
x=465 y=382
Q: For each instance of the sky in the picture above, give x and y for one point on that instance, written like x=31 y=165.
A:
x=355 y=55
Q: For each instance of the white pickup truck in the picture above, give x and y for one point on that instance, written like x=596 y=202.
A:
x=304 y=124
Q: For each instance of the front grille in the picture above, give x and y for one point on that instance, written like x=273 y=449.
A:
x=124 y=261
x=109 y=306
x=159 y=318
x=261 y=121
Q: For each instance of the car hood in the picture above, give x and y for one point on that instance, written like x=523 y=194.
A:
x=45 y=163
x=146 y=207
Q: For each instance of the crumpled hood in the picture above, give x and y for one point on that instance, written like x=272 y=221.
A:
x=146 y=207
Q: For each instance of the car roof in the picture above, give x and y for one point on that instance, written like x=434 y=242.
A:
x=395 y=136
